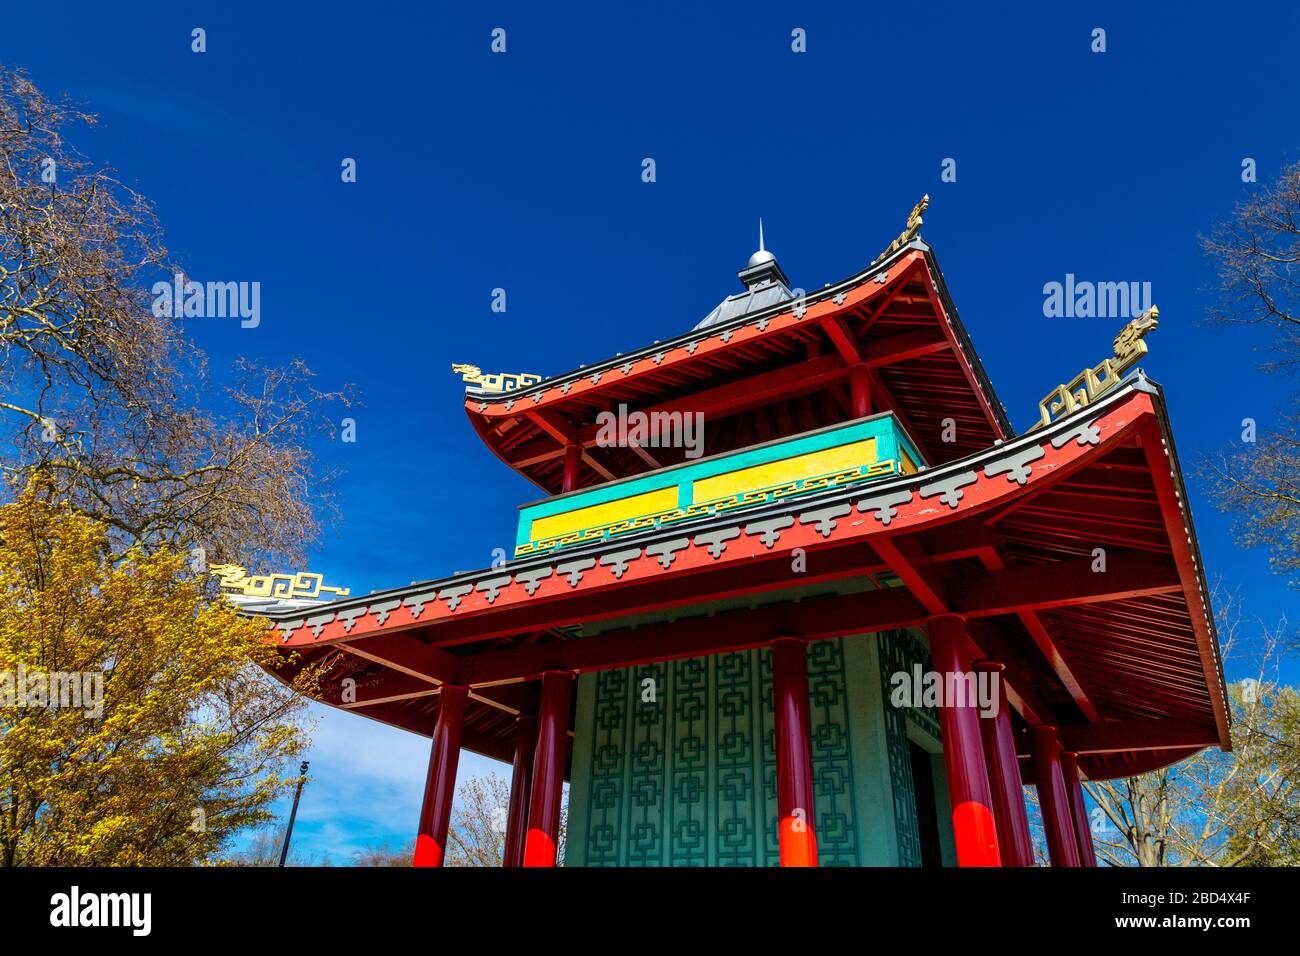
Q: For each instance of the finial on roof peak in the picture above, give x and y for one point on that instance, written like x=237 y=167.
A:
x=765 y=285
x=762 y=256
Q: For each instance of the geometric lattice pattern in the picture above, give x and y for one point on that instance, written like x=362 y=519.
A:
x=683 y=763
x=899 y=651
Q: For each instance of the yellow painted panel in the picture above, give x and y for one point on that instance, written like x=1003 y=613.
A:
x=909 y=466
x=839 y=458
x=662 y=499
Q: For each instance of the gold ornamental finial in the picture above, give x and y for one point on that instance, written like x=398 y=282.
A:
x=913 y=229
x=299 y=585
x=1091 y=383
x=500 y=382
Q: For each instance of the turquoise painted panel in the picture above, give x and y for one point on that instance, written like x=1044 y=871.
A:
x=689 y=778
x=883 y=428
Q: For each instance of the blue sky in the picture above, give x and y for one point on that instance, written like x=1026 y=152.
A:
x=522 y=171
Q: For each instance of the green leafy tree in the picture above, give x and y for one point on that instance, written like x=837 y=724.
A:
x=135 y=725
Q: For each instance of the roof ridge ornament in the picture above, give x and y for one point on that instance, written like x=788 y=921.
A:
x=500 y=382
x=1091 y=383
x=913 y=229
x=294 y=585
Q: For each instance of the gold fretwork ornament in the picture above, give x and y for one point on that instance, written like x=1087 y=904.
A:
x=500 y=382
x=913 y=229
x=296 y=585
x=1091 y=383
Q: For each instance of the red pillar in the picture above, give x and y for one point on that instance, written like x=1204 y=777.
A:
x=541 y=843
x=794 y=790
x=1053 y=798
x=520 y=783
x=440 y=787
x=1078 y=812
x=963 y=753
x=1014 y=843
x=860 y=389
x=572 y=461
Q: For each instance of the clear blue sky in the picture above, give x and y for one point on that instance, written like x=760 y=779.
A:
x=522 y=171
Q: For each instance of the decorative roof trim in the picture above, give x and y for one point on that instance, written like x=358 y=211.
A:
x=911 y=500
x=760 y=320
x=694 y=336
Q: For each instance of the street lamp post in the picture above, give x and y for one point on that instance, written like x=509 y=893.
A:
x=288 y=833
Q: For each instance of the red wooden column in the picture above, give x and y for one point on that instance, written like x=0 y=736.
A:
x=440 y=787
x=1053 y=798
x=794 y=790
x=860 y=389
x=1014 y=843
x=541 y=843
x=572 y=461
x=1078 y=811
x=520 y=783
x=963 y=753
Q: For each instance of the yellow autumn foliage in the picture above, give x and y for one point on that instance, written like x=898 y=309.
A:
x=136 y=728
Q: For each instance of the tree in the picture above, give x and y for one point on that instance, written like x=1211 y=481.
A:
x=1257 y=255
x=476 y=835
x=384 y=855
x=108 y=399
x=1218 y=809
x=264 y=850
x=136 y=727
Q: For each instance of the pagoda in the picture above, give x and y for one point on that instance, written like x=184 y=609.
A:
x=713 y=615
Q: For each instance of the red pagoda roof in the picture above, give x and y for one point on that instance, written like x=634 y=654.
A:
x=766 y=374
x=1124 y=660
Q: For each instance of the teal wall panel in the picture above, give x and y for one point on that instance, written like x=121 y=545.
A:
x=688 y=778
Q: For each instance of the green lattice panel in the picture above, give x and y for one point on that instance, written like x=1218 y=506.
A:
x=828 y=706
x=604 y=807
x=690 y=778
x=912 y=652
x=898 y=651
x=689 y=837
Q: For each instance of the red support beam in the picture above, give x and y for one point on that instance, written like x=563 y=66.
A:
x=542 y=840
x=1159 y=733
x=381 y=688
x=815 y=618
x=553 y=425
x=1058 y=583
x=974 y=828
x=860 y=388
x=845 y=342
x=794 y=790
x=905 y=346
x=405 y=654
x=1014 y=842
x=915 y=569
x=572 y=467
x=992 y=559
x=885 y=400
x=1053 y=798
x=975 y=595
x=440 y=787
x=520 y=783
x=965 y=364
x=1078 y=811
x=758 y=574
